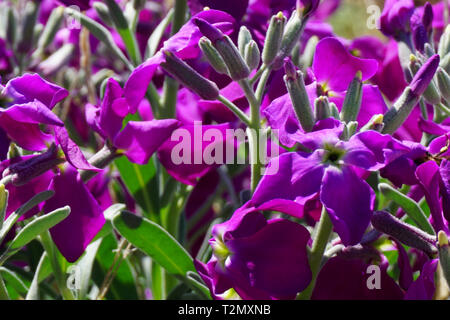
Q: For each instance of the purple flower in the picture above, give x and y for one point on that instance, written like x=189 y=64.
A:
x=31 y=100
x=259 y=259
x=428 y=168
x=73 y=234
x=139 y=139
x=346 y=279
x=184 y=44
x=335 y=170
x=395 y=17
x=334 y=68
x=191 y=146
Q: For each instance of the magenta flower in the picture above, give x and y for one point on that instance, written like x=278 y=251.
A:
x=247 y=249
x=73 y=234
x=335 y=170
x=31 y=101
x=138 y=139
x=334 y=68
x=394 y=20
x=184 y=44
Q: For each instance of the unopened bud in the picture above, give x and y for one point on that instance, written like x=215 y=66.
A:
x=213 y=56
x=190 y=78
x=273 y=38
x=24 y=171
x=322 y=108
x=299 y=97
x=244 y=37
x=444 y=83
x=422 y=81
x=352 y=101
x=208 y=30
x=292 y=32
x=252 y=55
x=237 y=67
x=427 y=17
x=444 y=43
x=411 y=236
x=375 y=123
x=103 y=12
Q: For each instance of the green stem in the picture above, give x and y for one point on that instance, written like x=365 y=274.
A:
x=233 y=108
x=262 y=85
x=170 y=89
x=100 y=160
x=323 y=232
x=258 y=74
x=255 y=125
x=179 y=15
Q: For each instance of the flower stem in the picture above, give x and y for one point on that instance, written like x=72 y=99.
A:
x=255 y=126
x=100 y=160
x=233 y=108
x=323 y=232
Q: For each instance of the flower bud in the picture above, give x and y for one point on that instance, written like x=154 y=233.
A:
x=429 y=50
x=420 y=37
x=237 y=67
x=422 y=80
x=208 y=30
x=444 y=43
x=322 y=108
x=427 y=17
x=190 y=78
x=273 y=38
x=244 y=37
x=103 y=12
x=352 y=101
x=444 y=83
x=252 y=55
x=375 y=123
x=411 y=236
x=292 y=31
x=299 y=97
x=24 y=171
x=335 y=111
x=213 y=56
x=445 y=63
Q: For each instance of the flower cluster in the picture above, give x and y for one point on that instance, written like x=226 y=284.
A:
x=223 y=150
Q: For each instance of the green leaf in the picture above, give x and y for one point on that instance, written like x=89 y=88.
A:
x=33 y=292
x=411 y=207
x=85 y=264
x=38 y=226
x=155 y=242
x=30 y=204
x=12 y=280
x=139 y=179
